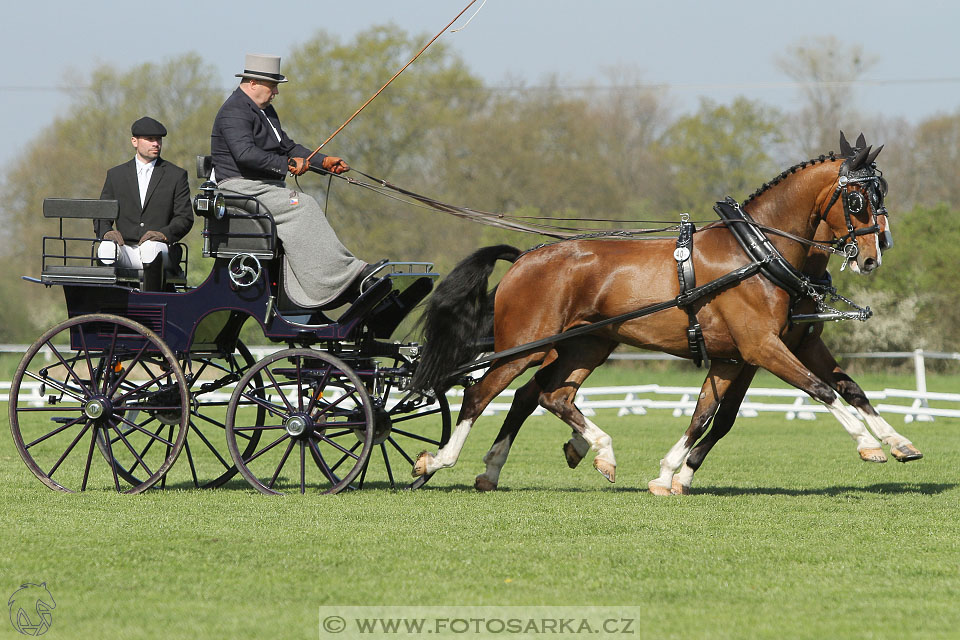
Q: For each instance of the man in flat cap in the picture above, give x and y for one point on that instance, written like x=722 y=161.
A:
x=155 y=211
x=251 y=156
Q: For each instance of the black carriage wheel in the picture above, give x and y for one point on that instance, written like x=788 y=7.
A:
x=406 y=422
x=102 y=390
x=314 y=403
x=207 y=459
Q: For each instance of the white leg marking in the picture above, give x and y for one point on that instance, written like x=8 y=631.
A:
x=671 y=462
x=447 y=456
x=580 y=445
x=854 y=427
x=495 y=460
x=884 y=431
x=685 y=476
x=599 y=442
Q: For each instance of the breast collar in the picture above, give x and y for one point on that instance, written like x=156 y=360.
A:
x=758 y=247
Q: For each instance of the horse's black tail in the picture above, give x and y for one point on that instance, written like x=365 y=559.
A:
x=458 y=316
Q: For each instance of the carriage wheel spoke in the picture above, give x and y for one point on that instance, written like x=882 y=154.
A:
x=327 y=471
x=73 y=374
x=140 y=462
x=414 y=436
x=126 y=370
x=153 y=435
x=303 y=467
x=86 y=355
x=300 y=391
x=400 y=450
x=109 y=359
x=283 y=460
x=267 y=448
x=336 y=445
x=70 y=448
x=209 y=445
x=277 y=386
x=113 y=459
x=321 y=385
x=55 y=432
x=87 y=463
x=193 y=468
x=272 y=408
x=346 y=456
x=386 y=462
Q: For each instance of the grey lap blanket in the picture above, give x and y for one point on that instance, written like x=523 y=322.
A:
x=316 y=266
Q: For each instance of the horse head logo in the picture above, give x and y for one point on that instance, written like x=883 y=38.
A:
x=30 y=609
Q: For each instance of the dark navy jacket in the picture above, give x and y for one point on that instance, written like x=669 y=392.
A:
x=166 y=207
x=244 y=145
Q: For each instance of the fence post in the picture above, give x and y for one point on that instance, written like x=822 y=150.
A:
x=921 y=375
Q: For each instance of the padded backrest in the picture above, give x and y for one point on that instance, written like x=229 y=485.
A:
x=247 y=228
x=80 y=208
x=204 y=166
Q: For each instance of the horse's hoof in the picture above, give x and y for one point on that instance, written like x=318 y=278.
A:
x=658 y=489
x=678 y=489
x=905 y=453
x=484 y=484
x=420 y=465
x=570 y=453
x=609 y=471
x=872 y=455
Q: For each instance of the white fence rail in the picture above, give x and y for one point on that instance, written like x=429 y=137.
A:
x=639 y=399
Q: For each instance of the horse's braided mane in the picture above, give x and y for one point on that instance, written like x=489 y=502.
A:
x=797 y=167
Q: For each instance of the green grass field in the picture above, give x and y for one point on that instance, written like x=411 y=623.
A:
x=788 y=534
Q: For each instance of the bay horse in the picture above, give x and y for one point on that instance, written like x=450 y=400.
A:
x=574 y=283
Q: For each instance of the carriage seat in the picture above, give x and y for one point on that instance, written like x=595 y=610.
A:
x=243 y=226
x=73 y=260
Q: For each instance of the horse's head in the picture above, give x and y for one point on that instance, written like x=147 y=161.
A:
x=854 y=210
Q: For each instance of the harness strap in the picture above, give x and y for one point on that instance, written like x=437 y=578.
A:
x=688 y=280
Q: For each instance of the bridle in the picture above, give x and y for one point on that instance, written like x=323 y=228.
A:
x=860 y=188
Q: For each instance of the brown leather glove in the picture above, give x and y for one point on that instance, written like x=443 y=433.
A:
x=113 y=236
x=156 y=236
x=334 y=164
x=298 y=166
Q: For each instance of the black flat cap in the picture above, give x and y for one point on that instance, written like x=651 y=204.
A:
x=147 y=127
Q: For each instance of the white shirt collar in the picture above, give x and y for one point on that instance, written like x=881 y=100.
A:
x=143 y=165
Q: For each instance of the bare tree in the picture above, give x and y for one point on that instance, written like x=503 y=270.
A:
x=826 y=70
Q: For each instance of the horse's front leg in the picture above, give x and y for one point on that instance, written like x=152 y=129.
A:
x=723 y=421
x=814 y=353
x=718 y=379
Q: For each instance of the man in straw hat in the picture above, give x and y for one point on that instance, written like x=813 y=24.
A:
x=251 y=156
x=154 y=208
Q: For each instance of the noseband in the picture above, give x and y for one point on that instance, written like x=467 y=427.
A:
x=852 y=185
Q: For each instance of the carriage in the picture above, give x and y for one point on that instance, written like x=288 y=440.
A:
x=139 y=379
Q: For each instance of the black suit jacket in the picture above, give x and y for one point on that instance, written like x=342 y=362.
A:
x=166 y=207
x=243 y=144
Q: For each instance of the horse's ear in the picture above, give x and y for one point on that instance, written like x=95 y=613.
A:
x=873 y=156
x=861 y=142
x=845 y=149
x=858 y=159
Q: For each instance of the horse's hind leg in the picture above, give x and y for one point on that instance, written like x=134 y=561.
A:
x=524 y=403
x=719 y=378
x=560 y=383
x=475 y=400
x=815 y=354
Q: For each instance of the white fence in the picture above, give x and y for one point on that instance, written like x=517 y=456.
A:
x=680 y=401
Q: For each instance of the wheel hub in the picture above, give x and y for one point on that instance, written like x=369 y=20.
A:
x=297 y=425
x=97 y=408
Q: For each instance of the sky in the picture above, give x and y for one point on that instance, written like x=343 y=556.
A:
x=714 y=49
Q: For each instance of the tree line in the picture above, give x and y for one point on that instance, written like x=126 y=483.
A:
x=617 y=151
